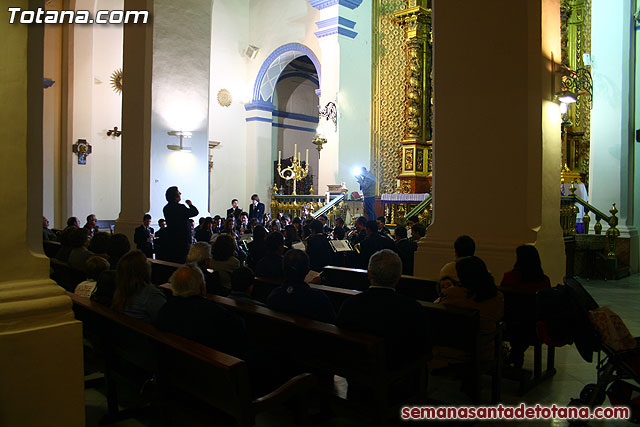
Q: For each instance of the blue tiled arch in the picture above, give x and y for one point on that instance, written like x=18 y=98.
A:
x=272 y=67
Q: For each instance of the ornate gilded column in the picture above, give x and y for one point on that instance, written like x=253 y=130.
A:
x=415 y=173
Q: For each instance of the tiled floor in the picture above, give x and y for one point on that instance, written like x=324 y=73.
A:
x=573 y=373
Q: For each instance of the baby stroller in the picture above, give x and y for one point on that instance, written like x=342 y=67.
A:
x=614 y=368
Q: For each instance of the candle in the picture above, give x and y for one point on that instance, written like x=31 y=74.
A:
x=295 y=150
x=279 y=155
x=307 y=161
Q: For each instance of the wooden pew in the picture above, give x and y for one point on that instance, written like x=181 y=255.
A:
x=51 y=247
x=64 y=275
x=452 y=327
x=354 y=278
x=520 y=308
x=328 y=350
x=215 y=378
x=162 y=270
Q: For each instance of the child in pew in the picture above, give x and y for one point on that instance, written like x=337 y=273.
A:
x=475 y=290
x=95 y=265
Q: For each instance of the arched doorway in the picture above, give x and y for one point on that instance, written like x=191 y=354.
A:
x=283 y=112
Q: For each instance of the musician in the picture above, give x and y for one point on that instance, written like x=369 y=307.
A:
x=256 y=209
x=143 y=236
x=234 y=210
x=368 y=186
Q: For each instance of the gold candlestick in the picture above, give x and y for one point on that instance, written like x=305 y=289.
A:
x=295 y=172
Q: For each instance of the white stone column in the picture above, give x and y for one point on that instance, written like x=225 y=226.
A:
x=344 y=31
x=136 y=121
x=41 y=365
x=259 y=154
x=611 y=161
x=496 y=154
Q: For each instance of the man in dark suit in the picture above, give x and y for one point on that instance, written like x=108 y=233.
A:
x=178 y=225
x=234 y=210
x=256 y=210
x=143 y=236
x=194 y=317
x=373 y=243
x=380 y=311
x=405 y=249
x=360 y=231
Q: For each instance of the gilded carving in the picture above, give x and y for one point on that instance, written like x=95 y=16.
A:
x=408 y=159
x=390 y=63
x=419 y=160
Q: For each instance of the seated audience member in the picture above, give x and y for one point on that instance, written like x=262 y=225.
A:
x=242 y=286
x=48 y=234
x=194 y=317
x=318 y=247
x=464 y=246
x=118 y=246
x=204 y=233
x=95 y=266
x=295 y=296
x=106 y=285
x=99 y=244
x=223 y=260
x=257 y=247
x=325 y=224
x=360 y=232
x=382 y=227
x=92 y=224
x=73 y=222
x=200 y=254
x=373 y=243
x=477 y=291
x=134 y=295
x=197 y=227
x=143 y=236
x=380 y=311
x=270 y=266
x=66 y=240
x=290 y=236
x=405 y=249
x=527 y=274
x=79 y=255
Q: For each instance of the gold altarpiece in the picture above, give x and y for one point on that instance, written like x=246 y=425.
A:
x=575 y=18
x=401 y=110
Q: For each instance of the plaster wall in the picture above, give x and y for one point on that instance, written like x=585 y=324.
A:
x=612 y=163
x=180 y=100
x=106 y=112
x=229 y=70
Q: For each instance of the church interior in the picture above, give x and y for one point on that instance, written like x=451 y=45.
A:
x=513 y=122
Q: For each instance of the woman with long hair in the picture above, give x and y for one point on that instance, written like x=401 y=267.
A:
x=223 y=260
x=527 y=272
x=135 y=296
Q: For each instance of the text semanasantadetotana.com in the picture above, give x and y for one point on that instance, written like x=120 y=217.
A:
x=41 y=16
x=522 y=412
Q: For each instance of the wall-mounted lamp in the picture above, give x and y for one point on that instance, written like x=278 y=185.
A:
x=114 y=132
x=572 y=84
x=330 y=112
x=181 y=134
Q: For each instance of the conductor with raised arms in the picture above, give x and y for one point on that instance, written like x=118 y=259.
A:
x=178 y=227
